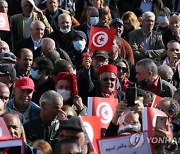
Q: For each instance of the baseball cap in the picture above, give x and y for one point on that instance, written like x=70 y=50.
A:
x=25 y=83
x=8 y=69
x=100 y=54
x=117 y=20
x=8 y=56
x=72 y=124
x=79 y=33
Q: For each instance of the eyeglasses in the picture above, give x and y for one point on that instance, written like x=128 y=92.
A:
x=124 y=69
x=175 y=14
x=107 y=79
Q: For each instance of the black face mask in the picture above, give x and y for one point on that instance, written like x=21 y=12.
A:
x=142 y=84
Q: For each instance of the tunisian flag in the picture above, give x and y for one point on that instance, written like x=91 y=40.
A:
x=103 y=108
x=101 y=38
x=4 y=22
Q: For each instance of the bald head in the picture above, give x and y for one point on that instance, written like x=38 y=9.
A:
x=165 y=72
x=47 y=44
x=4 y=47
x=13 y=124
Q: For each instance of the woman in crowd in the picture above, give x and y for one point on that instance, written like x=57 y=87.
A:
x=130 y=23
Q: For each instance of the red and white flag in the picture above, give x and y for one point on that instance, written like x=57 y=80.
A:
x=103 y=108
x=4 y=22
x=156 y=100
x=101 y=38
x=4 y=133
x=149 y=117
x=93 y=128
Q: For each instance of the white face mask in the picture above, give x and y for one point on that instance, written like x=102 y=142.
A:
x=66 y=94
x=65 y=31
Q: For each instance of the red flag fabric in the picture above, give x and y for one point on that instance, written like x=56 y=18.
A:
x=101 y=38
x=93 y=129
x=4 y=22
x=103 y=108
x=149 y=117
x=156 y=101
x=4 y=133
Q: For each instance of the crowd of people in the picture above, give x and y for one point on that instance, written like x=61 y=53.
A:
x=47 y=71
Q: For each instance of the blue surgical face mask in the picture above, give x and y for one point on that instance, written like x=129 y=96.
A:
x=35 y=74
x=161 y=19
x=94 y=20
x=79 y=45
x=65 y=31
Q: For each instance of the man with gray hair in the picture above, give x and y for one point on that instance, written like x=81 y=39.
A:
x=34 y=41
x=149 y=80
x=173 y=33
x=4 y=47
x=145 y=42
x=47 y=123
x=64 y=35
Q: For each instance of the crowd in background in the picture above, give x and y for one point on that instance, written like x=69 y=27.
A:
x=46 y=51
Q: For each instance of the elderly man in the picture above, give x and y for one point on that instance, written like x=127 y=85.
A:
x=4 y=47
x=174 y=29
x=16 y=130
x=63 y=36
x=106 y=84
x=47 y=123
x=145 y=42
x=34 y=41
x=148 y=79
x=24 y=62
x=21 y=102
x=72 y=128
x=25 y=19
x=53 y=11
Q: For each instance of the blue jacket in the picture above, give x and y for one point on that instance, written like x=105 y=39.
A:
x=33 y=112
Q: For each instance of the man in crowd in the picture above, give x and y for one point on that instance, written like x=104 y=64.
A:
x=21 y=102
x=172 y=52
x=145 y=42
x=34 y=40
x=148 y=79
x=173 y=33
x=24 y=20
x=45 y=125
x=64 y=35
x=24 y=62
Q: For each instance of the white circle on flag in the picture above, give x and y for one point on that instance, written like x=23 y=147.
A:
x=0 y=132
x=89 y=130
x=104 y=111
x=137 y=140
x=2 y=22
x=99 y=39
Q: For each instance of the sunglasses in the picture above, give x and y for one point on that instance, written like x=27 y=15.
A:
x=175 y=14
x=107 y=79
x=124 y=69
